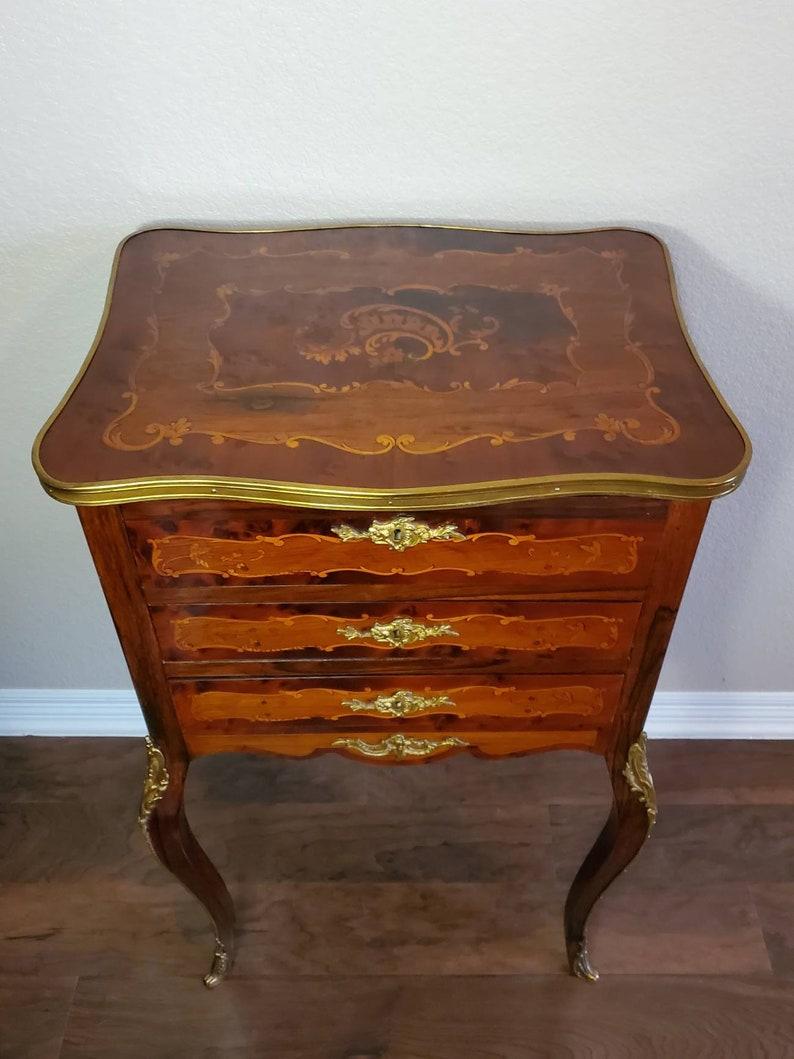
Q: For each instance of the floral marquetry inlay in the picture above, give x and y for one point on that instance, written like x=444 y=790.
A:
x=262 y=556
x=326 y=633
x=515 y=699
x=391 y=368
x=419 y=414
x=391 y=334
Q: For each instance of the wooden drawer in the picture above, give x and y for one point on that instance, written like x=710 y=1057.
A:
x=426 y=703
x=412 y=747
x=269 y=637
x=568 y=548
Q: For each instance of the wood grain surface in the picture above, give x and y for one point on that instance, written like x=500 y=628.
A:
x=412 y=913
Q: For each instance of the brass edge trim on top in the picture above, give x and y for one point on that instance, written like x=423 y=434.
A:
x=298 y=494
x=294 y=494
x=738 y=472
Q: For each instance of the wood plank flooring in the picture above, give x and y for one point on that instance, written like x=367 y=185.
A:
x=396 y=913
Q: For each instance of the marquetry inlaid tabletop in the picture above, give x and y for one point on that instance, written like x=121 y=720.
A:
x=370 y=366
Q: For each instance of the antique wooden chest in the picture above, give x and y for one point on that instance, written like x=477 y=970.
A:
x=395 y=493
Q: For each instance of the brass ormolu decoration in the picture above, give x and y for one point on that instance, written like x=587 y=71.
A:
x=400 y=746
x=399 y=533
x=154 y=786
x=639 y=779
x=581 y=966
x=220 y=965
x=400 y=704
x=402 y=632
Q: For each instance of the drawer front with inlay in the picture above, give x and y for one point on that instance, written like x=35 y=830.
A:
x=430 y=703
x=250 y=546
x=557 y=635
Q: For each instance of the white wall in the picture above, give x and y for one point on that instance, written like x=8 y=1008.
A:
x=668 y=115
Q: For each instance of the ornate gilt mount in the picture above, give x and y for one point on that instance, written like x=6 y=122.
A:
x=639 y=779
x=400 y=746
x=221 y=963
x=400 y=704
x=402 y=632
x=580 y=964
x=399 y=533
x=154 y=786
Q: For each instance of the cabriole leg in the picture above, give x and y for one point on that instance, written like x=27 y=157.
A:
x=162 y=818
x=630 y=822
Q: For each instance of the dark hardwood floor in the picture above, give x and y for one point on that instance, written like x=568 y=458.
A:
x=396 y=913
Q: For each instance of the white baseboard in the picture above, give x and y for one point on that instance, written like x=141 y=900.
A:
x=674 y=714
x=63 y=711
x=721 y=715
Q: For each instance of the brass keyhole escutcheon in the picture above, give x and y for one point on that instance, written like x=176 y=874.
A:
x=401 y=632
x=399 y=533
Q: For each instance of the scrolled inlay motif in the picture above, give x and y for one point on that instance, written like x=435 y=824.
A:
x=582 y=700
x=452 y=406
x=276 y=633
x=399 y=533
x=638 y=776
x=319 y=555
x=393 y=333
x=400 y=746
